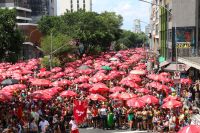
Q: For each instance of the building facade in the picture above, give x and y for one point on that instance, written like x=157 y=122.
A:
x=39 y=8
x=147 y=29
x=154 y=22
x=59 y=7
x=22 y=8
x=137 y=26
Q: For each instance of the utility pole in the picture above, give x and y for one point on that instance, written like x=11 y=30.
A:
x=51 y=51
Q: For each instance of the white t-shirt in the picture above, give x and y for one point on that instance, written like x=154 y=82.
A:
x=103 y=111
x=74 y=126
x=43 y=125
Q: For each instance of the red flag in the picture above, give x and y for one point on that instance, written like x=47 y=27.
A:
x=80 y=111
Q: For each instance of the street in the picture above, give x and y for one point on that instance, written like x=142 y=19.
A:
x=90 y=130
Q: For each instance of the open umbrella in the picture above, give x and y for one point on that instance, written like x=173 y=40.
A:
x=9 y=82
x=107 y=68
x=143 y=90
x=149 y=99
x=99 y=87
x=114 y=95
x=127 y=96
x=68 y=93
x=135 y=103
x=117 y=89
x=169 y=98
x=96 y=97
x=83 y=67
x=138 y=72
x=172 y=104
x=190 y=129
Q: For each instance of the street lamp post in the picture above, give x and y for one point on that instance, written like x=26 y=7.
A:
x=174 y=27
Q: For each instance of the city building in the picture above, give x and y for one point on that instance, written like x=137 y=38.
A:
x=22 y=8
x=137 y=26
x=154 y=22
x=39 y=8
x=59 y=7
x=147 y=29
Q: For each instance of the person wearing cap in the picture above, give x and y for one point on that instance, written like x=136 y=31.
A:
x=73 y=126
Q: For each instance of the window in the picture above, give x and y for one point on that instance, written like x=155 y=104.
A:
x=157 y=29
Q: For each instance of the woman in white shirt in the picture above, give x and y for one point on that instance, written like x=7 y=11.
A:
x=73 y=125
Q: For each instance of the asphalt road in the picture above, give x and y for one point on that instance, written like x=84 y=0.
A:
x=89 y=130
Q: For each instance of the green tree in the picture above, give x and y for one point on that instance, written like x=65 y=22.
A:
x=10 y=37
x=58 y=45
x=87 y=28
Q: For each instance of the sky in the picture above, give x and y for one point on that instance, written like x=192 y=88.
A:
x=128 y=9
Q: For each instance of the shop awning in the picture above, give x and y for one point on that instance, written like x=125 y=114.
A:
x=181 y=67
x=164 y=63
x=190 y=61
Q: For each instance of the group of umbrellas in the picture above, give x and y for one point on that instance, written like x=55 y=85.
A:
x=93 y=75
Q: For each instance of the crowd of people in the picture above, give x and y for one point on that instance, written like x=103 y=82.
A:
x=22 y=111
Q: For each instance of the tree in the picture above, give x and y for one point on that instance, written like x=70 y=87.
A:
x=10 y=37
x=89 y=29
x=61 y=44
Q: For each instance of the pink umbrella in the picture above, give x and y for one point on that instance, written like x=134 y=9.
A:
x=96 y=97
x=149 y=99
x=143 y=90
x=69 y=69
x=44 y=74
x=186 y=81
x=129 y=83
x=117 y=89
x=115 y=95
x=169 y=98
x=99 y=87
x=40 y=82
x=138 y=72
x=66 y=82
x=5 y=96
x=56 y=69
x=57 y=84
x=135 y=103
x=82 y=79
x=165 y=74
x=190 y=129
x=85 y=86
x=41 y=95
x=126 y=96
x=171 y=104
x=68 y=93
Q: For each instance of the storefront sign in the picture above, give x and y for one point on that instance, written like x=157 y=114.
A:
x=181 y=45
x=177 y=75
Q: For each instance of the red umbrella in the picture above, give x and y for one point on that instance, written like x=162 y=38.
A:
x=172 y=104
x=40 y=82
x=66 y=82
x=135 y=103
x=117 y=89
x=69 y=69
x=86 y=71
x=98 y=77
x=85 y=85
x=164 y=79
x=130 y=83
x=126 y=96
x=115 y=95
x=57 y=84
x=114 y=74
x=186 y=81
x=41 y=95
x=56 y=69
x=149 y=99
x=190 y=129
x=82 y=79
x=99 y=87
x=96 y=97
x=68 y=93
x=143 y=90
x=5 y=96
x=169 y=98
x=165 y=74
x=44 y=74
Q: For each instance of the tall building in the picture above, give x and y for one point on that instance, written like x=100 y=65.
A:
x=137 y=26
x=39 y=8
x=59 y=7
x=147 y=29
x=22 y=7
x=154 y=22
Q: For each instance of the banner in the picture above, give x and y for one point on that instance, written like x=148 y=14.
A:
x=80 y=111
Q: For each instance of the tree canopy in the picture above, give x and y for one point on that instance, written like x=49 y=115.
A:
x=10 y=37
x=88 y=28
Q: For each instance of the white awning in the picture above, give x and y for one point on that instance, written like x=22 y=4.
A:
x=190 y=61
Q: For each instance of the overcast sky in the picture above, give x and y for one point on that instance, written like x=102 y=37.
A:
x=129 y=9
